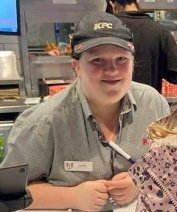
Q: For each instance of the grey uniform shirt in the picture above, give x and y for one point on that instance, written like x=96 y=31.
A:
x=63 y=129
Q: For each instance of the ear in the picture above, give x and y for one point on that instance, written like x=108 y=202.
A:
x=76 y=67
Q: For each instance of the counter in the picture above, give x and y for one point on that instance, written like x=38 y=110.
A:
x=12 y=106
x=131 y=208
x=171 y=100
x=127 y=208
x=17 y=105
x=69 y=210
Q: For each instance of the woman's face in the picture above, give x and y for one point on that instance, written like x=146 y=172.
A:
x=105 y=72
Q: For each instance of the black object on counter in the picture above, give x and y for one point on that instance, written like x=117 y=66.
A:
x=14 y=194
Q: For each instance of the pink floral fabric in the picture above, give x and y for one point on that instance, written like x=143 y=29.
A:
x=156 y=176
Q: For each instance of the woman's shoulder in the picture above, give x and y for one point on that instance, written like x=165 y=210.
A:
x=145 y=94
x=140 y=88
x=55 y=103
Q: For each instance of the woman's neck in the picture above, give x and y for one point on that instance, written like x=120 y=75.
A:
x=107 y=117
x=105 y=112
x=131 y=7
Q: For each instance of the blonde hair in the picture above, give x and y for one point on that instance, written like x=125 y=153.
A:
x=163 y=127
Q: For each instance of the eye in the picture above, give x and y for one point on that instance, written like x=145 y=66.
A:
x=97 y=61
x=121 y=60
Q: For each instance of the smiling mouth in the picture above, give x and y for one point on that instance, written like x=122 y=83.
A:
x=111 y=82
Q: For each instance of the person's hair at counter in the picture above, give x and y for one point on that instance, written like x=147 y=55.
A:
x=99 y=29
x=163 y=127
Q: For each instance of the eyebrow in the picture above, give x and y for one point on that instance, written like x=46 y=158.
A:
x=92 y=51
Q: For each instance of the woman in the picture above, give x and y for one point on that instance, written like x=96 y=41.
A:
x=65 y=140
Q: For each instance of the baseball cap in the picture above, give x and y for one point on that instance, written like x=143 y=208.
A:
x=99 y=28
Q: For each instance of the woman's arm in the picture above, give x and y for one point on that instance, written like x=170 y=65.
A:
x=88 y=196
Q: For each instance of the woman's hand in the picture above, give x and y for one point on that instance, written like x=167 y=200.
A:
x=122 y=189
x=90 y=195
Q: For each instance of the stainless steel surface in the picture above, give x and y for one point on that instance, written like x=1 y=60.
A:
x=48 y=67
x=11 y=82
x=51 y=11
x=8 y=66
x=13 y=106
x=48 y=11
x=158 y=4
x=50 y=59
x=19 y=82
x=171 y=100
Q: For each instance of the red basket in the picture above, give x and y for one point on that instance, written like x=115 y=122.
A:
x=168 y=89
x=53 y=89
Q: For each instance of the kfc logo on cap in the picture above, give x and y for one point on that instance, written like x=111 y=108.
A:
x=103 y=25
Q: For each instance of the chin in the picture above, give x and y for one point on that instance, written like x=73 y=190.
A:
x=116 y=94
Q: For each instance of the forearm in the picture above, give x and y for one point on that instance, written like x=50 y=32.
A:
x=47 y=196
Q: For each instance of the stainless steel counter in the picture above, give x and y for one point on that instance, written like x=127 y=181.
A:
x=18 y=106
x=171 y=100
x=13 y=106
x=10 y=81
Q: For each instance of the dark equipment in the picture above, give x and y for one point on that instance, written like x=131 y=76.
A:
x=14 y=194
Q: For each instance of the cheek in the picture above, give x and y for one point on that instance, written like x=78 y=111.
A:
x=126 y=70
x=90 y=73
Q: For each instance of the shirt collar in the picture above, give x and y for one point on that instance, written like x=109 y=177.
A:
x=83 y=100
x=128 y=102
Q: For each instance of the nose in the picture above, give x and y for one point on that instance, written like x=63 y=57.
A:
x=111 y=66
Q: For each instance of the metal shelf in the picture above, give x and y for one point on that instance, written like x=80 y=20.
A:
x=171 y=100
x=13 y=106
x=51 y=59
x=11 y=81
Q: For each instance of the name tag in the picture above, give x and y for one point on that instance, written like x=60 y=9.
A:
x=82 y=166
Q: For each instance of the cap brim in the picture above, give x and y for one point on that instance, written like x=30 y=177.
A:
x=79 y=48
